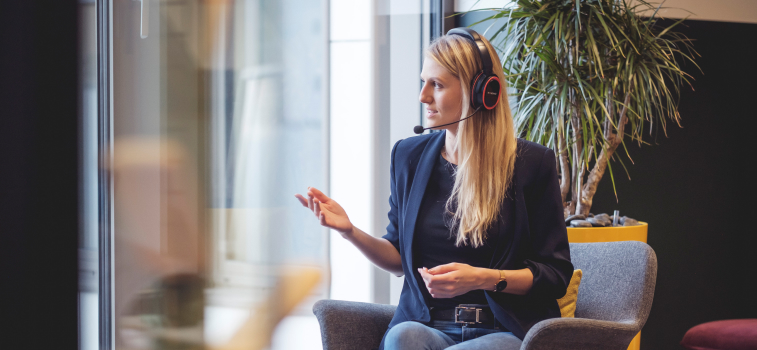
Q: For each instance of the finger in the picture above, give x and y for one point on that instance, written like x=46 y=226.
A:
x=438 y=294
x=429 y=281
x=317 y=208
x=318 y=194
x=310 y=202
x=442 y=269
x=424 y=275
x=302 y=200
x=322 y=218
x=429 y=277
x=446 y=280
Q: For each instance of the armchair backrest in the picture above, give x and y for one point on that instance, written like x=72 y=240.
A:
x=618 y=280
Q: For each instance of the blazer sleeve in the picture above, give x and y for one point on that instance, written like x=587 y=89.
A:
x=550 y=262
x=392 y=230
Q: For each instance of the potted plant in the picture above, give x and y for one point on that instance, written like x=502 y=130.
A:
x=585 y=77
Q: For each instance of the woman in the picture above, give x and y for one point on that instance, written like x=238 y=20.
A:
x=476 y=218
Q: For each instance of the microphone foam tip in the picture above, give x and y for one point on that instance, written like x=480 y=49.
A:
x=418 y=129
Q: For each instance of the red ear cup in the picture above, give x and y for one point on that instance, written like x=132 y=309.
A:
x=491 y=93
x=485 y=91
x=475 y=98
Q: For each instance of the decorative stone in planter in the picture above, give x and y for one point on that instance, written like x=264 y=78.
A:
x=600 y=220
x=570 y=218
x=580 y=223
x=626 y=221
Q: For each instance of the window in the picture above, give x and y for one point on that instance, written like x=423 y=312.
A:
x=217 y=119
x=209 y=116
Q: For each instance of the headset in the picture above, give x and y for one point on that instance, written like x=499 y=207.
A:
x=485 y=86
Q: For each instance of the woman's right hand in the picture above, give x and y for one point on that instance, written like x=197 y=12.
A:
x=328 y=211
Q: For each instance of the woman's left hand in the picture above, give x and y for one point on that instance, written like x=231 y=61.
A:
x=451 y=280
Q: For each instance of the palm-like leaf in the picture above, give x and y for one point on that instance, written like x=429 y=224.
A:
x=584 y=74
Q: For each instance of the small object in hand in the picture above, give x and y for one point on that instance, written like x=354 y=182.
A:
x=615 y=217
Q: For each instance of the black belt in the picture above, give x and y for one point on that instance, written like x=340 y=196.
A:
x=465 y=314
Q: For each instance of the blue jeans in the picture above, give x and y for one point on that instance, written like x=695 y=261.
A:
x=437 y=335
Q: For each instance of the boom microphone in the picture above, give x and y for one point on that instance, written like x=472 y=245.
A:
x=419 y=129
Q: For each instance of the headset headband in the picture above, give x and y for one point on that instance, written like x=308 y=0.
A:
x=476 y=39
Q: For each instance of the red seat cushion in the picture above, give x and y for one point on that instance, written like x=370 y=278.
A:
x=722 y=335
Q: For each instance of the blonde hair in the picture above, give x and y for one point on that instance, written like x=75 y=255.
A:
x=485 y=145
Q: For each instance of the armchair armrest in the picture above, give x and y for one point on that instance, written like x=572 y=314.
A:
x=579 y=334
x=352 y=325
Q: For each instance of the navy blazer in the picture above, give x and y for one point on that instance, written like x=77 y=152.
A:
x=530 y=233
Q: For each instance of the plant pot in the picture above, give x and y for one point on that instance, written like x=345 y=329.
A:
x=611 y=234
x=608 y=234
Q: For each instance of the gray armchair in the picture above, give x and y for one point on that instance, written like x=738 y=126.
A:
x=614 y=300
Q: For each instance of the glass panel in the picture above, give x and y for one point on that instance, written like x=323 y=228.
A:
x=88 y=236
x=217 y=123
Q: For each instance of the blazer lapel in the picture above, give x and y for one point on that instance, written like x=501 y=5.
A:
x=420 y=180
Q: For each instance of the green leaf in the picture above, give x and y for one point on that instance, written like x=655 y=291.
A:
x=590 y=54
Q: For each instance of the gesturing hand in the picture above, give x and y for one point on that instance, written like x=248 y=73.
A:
x=328 y=211
x=451 y=280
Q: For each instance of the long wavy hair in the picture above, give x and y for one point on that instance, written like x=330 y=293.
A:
x=486 y=144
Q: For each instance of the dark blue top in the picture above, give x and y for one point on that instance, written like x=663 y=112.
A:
x=531 y=234
x=435 y=242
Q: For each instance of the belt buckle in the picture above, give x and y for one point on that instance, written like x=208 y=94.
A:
x=457 y=314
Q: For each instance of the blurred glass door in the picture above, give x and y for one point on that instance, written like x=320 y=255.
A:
x=217 y=120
